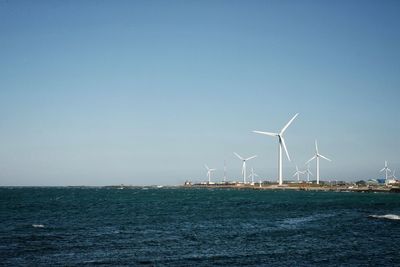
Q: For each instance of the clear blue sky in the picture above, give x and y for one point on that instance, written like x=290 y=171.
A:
x=147 y=92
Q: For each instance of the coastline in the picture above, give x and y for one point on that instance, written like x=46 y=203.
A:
x=300 y=187
x=239 y=186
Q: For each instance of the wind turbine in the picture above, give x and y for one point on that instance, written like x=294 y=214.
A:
x=308 y=172
x=281 y=144
x=386 y=169
x=244 y=164
x=252 y=175
x=393 y=175
x=297 y=173
x=317 y=156
x=209 y=171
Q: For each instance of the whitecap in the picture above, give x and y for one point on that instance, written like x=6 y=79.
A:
x=38 y=225
x=300 y=221
x=386 y=216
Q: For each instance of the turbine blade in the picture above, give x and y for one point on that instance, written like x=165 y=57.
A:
x=284 y=146
x=316 y=146
x=205 y=165
x=382 y=170
x=311 y=159
x=266 y=133
x=237 y=155
x=287 y=124
x=255 y=156
x=325 y=158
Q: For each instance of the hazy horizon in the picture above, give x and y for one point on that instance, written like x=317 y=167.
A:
x=147 y=92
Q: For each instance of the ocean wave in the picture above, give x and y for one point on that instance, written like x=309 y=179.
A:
x=38 y=225
x=305 y=219
x=387 y=217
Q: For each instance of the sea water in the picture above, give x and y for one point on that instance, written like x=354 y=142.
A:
x=197 y=227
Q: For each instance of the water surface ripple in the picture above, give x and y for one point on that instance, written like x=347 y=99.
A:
x=202 y=227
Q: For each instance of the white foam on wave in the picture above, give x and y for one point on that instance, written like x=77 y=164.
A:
x=386 y=216
x=38 y=225
x=301 y=221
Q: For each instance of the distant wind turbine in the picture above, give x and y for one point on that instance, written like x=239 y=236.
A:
x=244 y=164
x=209 y=171
x=252 y=175
x=297 y=173
x=317 y=156
x=308 y=172
x=393 y=175
x=281 y=144
x=386 y=170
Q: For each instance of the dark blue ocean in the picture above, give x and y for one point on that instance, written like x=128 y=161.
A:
x=196 y=227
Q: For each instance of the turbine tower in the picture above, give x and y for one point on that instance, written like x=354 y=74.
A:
x=308 y=172
x=252 y=175
x=209 y=171
x=281 y=144
x=297 y=173
x=317 y=156
x=244 y=164
x=224 y=171
x=386 y=169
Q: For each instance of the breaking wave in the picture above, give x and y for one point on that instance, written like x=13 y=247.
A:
x=387 y=217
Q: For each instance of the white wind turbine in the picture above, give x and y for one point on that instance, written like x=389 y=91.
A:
x=297 y=173
x=393 y=176
x=308 y=172
x=317 y=156
x=244 y=164
x=252 y=175
x=281 y=144
x=386 y=169
x=209 y=171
